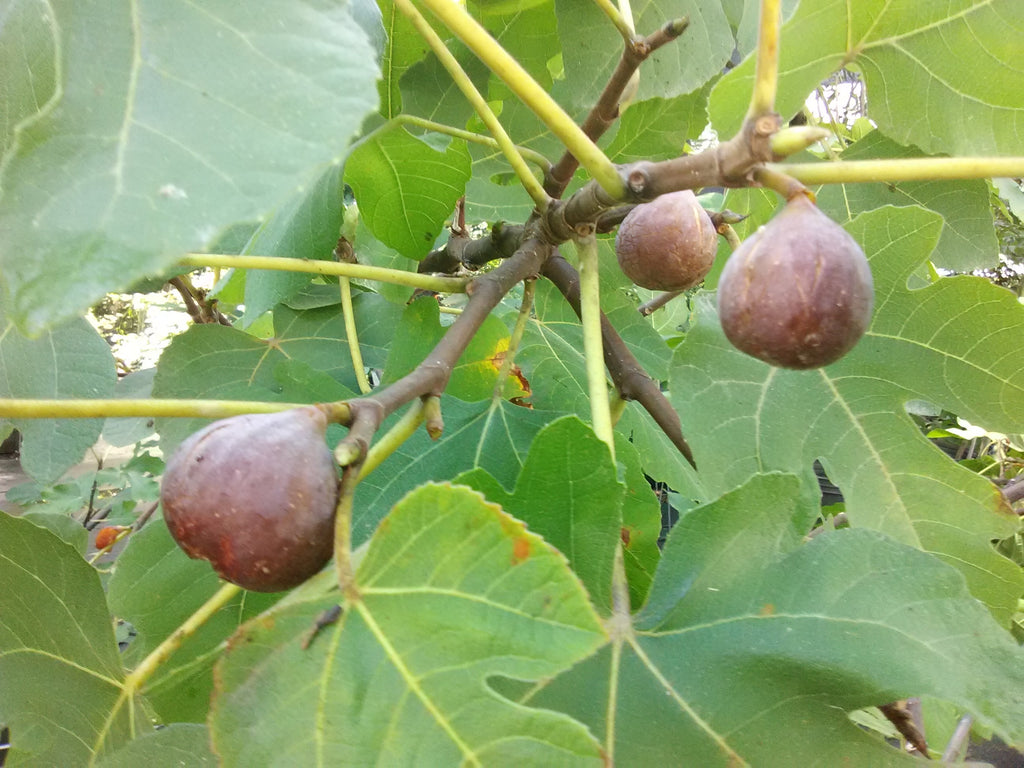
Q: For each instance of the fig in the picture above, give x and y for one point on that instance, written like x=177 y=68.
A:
x=798 y=293
x=255 y=495
x=668 y=244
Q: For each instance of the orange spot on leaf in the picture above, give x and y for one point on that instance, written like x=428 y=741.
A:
x=626 y=536
x=520 y=550
x=768 y=609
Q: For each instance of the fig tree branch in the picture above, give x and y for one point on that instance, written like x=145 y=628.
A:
x=333 y=268
x=529 y=91
x=629 y=377
x=478 y=102
x=431 y=376
x=605 y=112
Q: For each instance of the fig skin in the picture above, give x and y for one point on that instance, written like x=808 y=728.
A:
x=255 y=495
x=799 y=292
x=668 y=244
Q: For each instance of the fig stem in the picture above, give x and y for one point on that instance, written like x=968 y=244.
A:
x=350 y=477
x=394 y=437
x=903 y=169
x=479 y=103
x=115 y=408
x=518 y=331
x=137 y=678
x=530 y=155
x=322 y=267
x=620 y=21
x=530 y=92
x=351 y=334
x=729 y=233
x=781 y=182
x=766 y=67
x=593 y=346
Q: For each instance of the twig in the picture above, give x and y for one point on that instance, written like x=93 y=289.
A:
x=505 y=66
x=659 y=301
x=955 y=747
x=627 y=374
x=604 y=113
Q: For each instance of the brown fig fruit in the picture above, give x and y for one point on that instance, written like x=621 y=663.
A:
x=798 y=293
x=668 y=244
x=255 y=495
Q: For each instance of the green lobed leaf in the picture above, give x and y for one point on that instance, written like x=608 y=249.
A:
x=404 y=675
x=939 y=76
x=495 y=435
x=61 y=524
x=968 y=238
x=406 y=188
x=755 y=646
x=593 y=46
x=528 y=31
x=567 y=492
x=69 y=361
x=156 y=587
x=740 y=421
x=151 y=150
x=56 y=646
x=428 y=90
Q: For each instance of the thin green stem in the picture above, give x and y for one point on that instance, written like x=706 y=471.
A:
x=352 y=335
x=530 y=155
x=95 y=409
x=780 y=182
x=333 y=268
x=458 y=74
x=593 y=345
x=159 y=656
x=621 y=22
x=907 y=169
x=529 y=91
x=518 y=331
x=766 y=68
x=392 y=440
x=343 y=532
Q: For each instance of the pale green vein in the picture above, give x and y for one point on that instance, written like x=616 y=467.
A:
x=395 y=657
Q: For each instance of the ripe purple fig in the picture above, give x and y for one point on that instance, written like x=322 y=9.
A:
x=798 y=293
x=256 y=496
x=668 y=244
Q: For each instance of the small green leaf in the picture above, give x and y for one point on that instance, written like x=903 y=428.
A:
x=406 y=189
x=306 y=227
x=70 y=361
x=657 y=129
x=568 y=493
x=494 y=435
x=452 y=593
